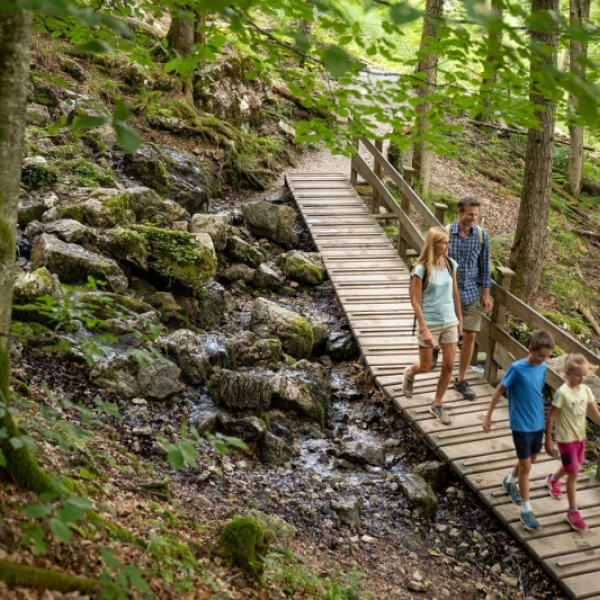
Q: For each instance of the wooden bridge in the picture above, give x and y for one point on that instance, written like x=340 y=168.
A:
x=372 y=281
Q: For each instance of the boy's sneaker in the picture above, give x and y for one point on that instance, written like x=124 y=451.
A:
x=529 y=521
x=575 y=521
x=435 y=359
x=465 y=389
x=512 y=489
x=553 y=487
x=407 y=383
x=439 y=412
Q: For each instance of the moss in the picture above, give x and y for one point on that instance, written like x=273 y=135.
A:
x=245 y=543
x=70 y=212
x=21 y=388
x=301 y=344
x=571 y=325
x=266 y=419
x=15 y=575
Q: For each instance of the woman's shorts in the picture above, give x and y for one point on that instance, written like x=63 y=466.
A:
x=572 y=455
x=442 y=334
x=471 y=314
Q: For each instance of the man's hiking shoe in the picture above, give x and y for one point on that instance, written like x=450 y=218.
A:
x=553 y=487
x=439 y=412
x=436 y=358
x=529 y=521
x=512 y=489
x=465 y=389
x=407 y=383
x=575 y=521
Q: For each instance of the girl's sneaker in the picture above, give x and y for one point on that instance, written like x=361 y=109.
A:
x=553 y=487
x=529 y=521
x=575 y=521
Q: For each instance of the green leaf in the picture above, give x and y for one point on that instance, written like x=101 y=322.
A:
x=36 y=511
x=337 y=61
x=97 y=47
x=16 y=443
x=250 y=75
x=175 y=458
x=129 y=139
x=80 y=123
x=189 y=453
x=60 y=529
x=36 y=535
x=402 y=13
x=108 y=558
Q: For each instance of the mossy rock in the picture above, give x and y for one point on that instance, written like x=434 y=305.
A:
x=245 y=542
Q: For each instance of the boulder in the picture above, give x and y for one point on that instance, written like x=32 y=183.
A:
x=68 y=230
x=305 y=267
x=189 y=354
x=249 y=350
x=275 y=223
x=156 y=379
x=320 y=335
x=73 y=264
x=211 y=305
x=241 y=391
x=363 y=453
x=241 y=251
x=249 y=429
x=341 y=345
x=347 y=510
x=218 y=349
x=269 y=320
x=30 y=209
x=217 y=226
x=274 y=450
x=238 y=272
x=434 y=472
x=420 y=494
x=266 y=278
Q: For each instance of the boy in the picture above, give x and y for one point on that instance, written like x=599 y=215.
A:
x=524 y=382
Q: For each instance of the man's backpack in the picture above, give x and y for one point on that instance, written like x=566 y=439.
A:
x=450 y=267
x=478 y=229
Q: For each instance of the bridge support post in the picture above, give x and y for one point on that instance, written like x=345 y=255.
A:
x=407 y=173
x=498 y=313
x=378 y=170
x=353 y=171
x=440 y=212
x=598 y=470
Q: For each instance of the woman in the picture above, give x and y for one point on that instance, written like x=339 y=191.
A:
x=436 y=302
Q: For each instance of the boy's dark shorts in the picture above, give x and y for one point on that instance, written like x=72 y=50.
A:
x=527 y=442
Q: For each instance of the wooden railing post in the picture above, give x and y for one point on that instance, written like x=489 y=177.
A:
x=407 y=173
x=378 y=170
x=353 y=171
x=498 y=313
x=598 y=470
x=440 y=212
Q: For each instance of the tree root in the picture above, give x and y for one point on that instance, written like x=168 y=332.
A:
x=16 y=575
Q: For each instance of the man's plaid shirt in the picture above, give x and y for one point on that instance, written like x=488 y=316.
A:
x=474 y=267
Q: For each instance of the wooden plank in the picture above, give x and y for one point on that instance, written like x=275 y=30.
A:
x=582 y=587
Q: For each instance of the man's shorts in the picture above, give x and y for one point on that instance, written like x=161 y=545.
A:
x=572 y=454
x=442 y=334
x=471 y=314
x=527 y=442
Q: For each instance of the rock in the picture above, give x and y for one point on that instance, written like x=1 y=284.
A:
x=419 y=583
x=68 y=230
x=434 y=472
x=190 y=356
x=143 y=201
x=211 y=305
x=218 y=349
x=281 y=529
x=420 y=494
x=240 y=391
x=249 y=429
x=146 y=165
x=267 y=278
x=167 y=306
x=217 y=226
x=241 y=251
x=269 y=320
x=274 y=450
x=249 y=350
x=305 y=267
x=126 y=245
x=204 y=419
x=362 y=453
x=320 y=336
x=347 y=510
x=238 y=272
x=73 y=264
x=38 y=114
x=157 y=379
x=264 y=219
x=30 y=209
x=168 y=212
x=341 y=345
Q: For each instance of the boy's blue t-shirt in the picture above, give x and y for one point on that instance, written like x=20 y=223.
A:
x=524 y=383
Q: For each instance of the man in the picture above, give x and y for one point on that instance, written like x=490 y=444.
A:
x=470 y=248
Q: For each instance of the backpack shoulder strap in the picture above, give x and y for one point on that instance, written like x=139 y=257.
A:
x=479 y=231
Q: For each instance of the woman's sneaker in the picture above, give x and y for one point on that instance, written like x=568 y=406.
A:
x=465 y=389
x=407 y=383
x=529 y=521
x=512 y=489
x=553 y=487
x=439 y=412
x=575 y=521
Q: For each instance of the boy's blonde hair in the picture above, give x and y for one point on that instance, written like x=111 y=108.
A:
x=578 y=360
x=541 y=339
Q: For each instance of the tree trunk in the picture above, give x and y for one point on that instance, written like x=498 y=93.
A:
x=527 y=255
x=422 y=157
x=490 y=68
x=579 y=10
x=181 y=36
x=15 y=48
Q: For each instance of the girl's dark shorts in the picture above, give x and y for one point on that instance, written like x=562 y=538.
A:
x=527 y=442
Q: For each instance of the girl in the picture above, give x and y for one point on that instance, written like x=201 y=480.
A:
x=436 y=302
x=572 y=402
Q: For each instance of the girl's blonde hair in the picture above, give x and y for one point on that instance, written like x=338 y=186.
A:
x=578 y=360
x=434 y=235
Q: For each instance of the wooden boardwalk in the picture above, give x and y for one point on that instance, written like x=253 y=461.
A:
x=372 y=283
